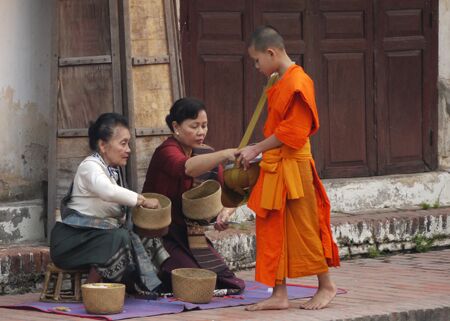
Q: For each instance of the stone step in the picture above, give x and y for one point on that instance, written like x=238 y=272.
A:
x=364 y=233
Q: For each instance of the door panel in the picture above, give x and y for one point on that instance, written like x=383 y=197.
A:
x=84 y=28
x=347 y=121
x=223 y=96
x=85 y=93
x=404 y=106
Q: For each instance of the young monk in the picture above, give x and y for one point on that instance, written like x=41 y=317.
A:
x=293 y=235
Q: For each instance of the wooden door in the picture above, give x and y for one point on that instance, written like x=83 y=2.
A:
x=405 y=84
x=374 y=64
x=110 y=56
x=86 y=83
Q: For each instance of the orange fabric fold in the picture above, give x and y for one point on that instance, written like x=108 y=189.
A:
x=292 y=118
x=282 y=177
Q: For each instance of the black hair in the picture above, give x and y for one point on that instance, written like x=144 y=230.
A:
x=103 y=128
x=264 y=37
x=182 y=109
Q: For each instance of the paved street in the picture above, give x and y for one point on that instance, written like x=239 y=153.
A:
x=404 y=287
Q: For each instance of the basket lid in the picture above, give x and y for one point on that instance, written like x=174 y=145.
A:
x=204 y=201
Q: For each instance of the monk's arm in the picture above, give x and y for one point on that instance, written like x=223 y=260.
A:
x=249 y=153
x=200 y=164
x=295 y=128
x=268 y=143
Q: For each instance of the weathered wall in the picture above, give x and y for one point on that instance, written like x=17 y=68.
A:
x=444 y=84
x=25 y=39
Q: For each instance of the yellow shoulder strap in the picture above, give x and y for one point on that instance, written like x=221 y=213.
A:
x=257 y=112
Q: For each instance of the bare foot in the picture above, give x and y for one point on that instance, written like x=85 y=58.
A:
x=277 y=301
x=272 y=303
x=321 y=299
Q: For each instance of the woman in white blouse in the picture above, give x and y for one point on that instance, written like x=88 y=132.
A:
x=94 y=232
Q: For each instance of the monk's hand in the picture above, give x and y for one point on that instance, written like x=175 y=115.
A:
x=246 y=155
x=151 y=203
x=223 y=218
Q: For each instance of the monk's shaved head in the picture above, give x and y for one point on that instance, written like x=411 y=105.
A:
x=266 y=37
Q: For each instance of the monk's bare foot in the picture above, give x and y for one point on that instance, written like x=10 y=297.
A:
x=321 y=299
x=272 y=303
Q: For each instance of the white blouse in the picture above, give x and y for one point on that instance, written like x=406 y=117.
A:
x=96 y=193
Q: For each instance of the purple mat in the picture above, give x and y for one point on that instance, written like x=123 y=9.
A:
x=135 y=308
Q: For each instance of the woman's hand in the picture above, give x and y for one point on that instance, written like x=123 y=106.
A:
x=223 y=218
x=229 y=154
x=247 y=154
x=151 y=203
x=147 y=202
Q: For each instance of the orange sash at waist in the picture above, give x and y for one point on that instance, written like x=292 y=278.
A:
x=282 y=176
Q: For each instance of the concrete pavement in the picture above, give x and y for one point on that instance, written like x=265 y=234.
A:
x=403 y=287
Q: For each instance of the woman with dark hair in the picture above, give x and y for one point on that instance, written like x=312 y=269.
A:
x=94 y=231
x=177 y=165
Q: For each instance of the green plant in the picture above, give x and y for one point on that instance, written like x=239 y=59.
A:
x=436 y=204
x=373 y=252
x=422 y=243
x=425 y=206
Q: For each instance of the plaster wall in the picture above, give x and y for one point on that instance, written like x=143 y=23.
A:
x=444 y=85
x=25 y=39
x=25 y=56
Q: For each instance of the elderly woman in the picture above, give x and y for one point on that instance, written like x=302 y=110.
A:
x=177 y=164
x=94 y=232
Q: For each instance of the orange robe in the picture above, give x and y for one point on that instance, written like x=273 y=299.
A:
x=293 y=234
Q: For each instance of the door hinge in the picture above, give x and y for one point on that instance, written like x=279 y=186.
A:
x=431 y=137
x=430 y=16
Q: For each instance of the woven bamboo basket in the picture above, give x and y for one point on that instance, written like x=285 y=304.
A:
x=153 y=219
x=193 y=285
x=203 y=202
x=103 y=298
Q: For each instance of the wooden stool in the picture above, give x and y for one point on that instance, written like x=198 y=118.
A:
x=54 y=277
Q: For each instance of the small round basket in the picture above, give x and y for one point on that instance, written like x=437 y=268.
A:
x=103 y=298
x=203 y=202
x=193 y=285
x=153 y=219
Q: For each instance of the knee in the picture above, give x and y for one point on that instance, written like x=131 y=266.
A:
x=121 y=235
